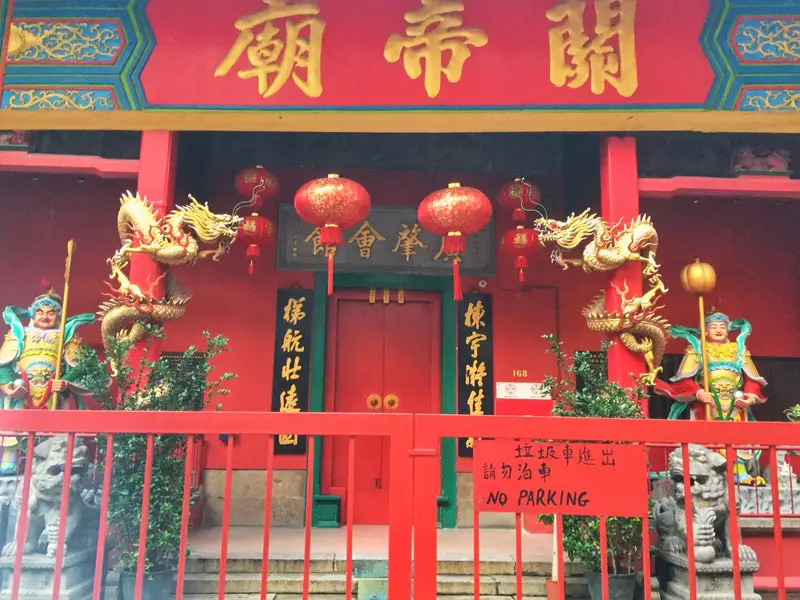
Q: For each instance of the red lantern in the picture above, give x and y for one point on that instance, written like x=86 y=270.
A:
x=255 y=230
x=517 y=195
x=257 y=184
x=455 y=213
x=332 y=203
x=520 y=243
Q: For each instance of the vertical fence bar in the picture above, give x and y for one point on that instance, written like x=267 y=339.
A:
x=267 y=516
x=476 y=548
x=21 y=531
x=558 y=531
x=518 y=552
x=776 y=521
x=185 y=509
x=148 y=478
x=687 y=495
x=102 y=530
x=646 y=576
x=66 y=485
x=603 y=557
x=402 y=468
x=351 y=496
x=733 y=523
x=226 y=519
x=309 y=510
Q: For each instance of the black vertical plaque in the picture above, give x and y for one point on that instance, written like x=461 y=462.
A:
x=291 y=371
x=475 y=381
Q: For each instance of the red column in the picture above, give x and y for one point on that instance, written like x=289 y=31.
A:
x=619 y=199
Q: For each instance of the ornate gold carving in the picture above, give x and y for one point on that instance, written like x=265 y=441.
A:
x=66 y=41
x=770 y=39
x=43 y=99
x=787 y=99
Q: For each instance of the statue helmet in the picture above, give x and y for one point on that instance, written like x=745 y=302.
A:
x=49 y=299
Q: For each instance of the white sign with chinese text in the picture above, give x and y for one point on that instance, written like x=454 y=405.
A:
x=520 y=390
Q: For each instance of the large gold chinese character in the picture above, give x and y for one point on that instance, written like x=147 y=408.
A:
x=364 y=238
x=433 y=30
x=288 y=439
x=475 y=374
x=274 y=58
x=291 y=370
x=443 y=256
x=293 y=311
x=408 y=240
x=289 y=400
x=473 y=317
x=474 y=342
x=475 y=402
x=575 y=57
x=292 y=340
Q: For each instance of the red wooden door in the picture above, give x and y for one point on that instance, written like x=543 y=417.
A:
x=380 y=358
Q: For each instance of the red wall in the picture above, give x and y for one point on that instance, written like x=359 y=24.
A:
x=750 y=244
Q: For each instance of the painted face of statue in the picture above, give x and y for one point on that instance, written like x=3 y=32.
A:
x=717 y=332
x=45 y=317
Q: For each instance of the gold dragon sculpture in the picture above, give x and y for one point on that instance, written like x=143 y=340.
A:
x=603 y=247
x=172 y=240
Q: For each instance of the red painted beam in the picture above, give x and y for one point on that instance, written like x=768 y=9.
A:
x=68 y=164
x=745 y=186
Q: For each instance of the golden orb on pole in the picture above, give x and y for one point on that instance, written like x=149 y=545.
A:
x=698 y=277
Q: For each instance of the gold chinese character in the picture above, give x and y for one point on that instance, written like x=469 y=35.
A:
x=475 y=402
x=470 y=443
x=292 y=340
x=288 y=439
x=293 y=311
x=364 y=238
x=576 y=57
x=475 y=374
x=443 y=256
x=290 y=370
x=274 y=57
x=249 y=226
x=314 y=238
x=289 y=400
x=474 y=342
x=433 y=30
x=407 y=240
x=473 y=317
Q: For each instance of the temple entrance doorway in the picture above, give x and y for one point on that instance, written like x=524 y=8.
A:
x=383 y=355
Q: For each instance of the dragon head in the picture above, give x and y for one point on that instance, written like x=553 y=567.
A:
x=211 y=228
x=569 y=233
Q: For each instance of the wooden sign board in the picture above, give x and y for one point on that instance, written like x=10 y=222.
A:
x=605 y=480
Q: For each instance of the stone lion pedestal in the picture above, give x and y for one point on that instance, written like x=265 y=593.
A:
x=37 y=576
x=714 y=580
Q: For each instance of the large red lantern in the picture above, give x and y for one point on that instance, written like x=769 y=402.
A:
x=255 y=231
x=455 y=213
x=332 y=203
x=257 y=184
x=520 y=243
x=518 y=195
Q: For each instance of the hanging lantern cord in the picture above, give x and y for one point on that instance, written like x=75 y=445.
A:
x=457 y=294
x=331 y=252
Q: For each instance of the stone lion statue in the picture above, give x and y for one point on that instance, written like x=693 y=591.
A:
x=709 y=490
x=44 y=501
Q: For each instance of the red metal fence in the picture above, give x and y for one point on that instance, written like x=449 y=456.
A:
x=414 y=450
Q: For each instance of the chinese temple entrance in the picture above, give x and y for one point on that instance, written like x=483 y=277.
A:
x=383 y=355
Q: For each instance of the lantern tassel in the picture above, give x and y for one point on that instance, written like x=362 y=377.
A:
x=521 y=276
x=331 y=235
x=454 y=243
x=252 y=268
x=331 y=254
x=457 y=295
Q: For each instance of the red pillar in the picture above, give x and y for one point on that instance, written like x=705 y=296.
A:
x=619 y=199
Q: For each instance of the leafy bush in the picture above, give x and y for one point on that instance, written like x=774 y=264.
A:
x=595 y=397
x=184 y=384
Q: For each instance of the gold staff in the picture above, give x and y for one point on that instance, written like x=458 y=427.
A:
x=700 y=278
x=63 y=325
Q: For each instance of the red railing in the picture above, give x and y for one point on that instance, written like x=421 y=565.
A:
x=414 y=454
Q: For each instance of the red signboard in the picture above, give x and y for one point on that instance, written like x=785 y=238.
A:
x=607 y=480
x=433 y=53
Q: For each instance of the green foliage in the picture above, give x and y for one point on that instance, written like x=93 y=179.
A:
x=596 y=397
x=793 y=413
x=161 y=385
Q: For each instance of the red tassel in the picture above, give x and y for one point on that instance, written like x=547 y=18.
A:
x=521 y=276
x=457 y=295
x=454 y=243
x=331 y=235
x=252 y=268
x=330 y=271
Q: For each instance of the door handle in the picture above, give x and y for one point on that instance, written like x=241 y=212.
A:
x=391 y=402
x=374 y=401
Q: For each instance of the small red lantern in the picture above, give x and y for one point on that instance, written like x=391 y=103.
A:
x=332 y=203
x=520 y=243
x=518 y=195
x=255 y=231
x=455 y=213
x=257 y=184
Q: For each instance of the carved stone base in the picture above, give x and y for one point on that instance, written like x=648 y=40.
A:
x=714 y=580
x=36 y=579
